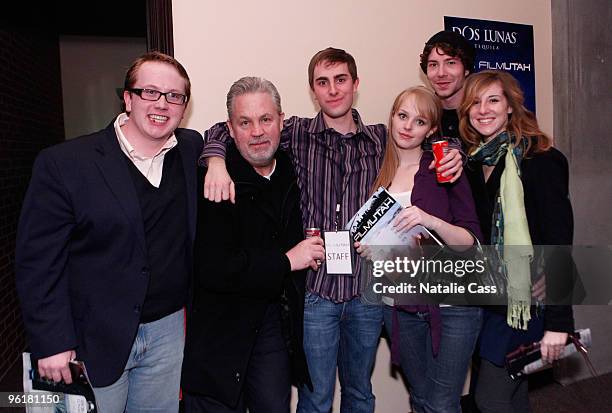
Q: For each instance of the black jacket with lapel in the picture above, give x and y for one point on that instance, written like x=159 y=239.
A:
x=81 y=267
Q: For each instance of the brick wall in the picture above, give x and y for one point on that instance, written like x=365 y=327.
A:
x=30 y=119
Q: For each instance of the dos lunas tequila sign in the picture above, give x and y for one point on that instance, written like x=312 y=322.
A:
x=489 y=36
x=500 y=46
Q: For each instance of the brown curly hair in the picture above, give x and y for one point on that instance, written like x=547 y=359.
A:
x=466 y=58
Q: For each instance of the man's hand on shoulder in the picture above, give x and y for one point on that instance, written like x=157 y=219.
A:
x=218 y=185
x=56 y=367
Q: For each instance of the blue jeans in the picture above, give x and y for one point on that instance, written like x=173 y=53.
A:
x=151 y=378
x=436 y=382
x=344 y=335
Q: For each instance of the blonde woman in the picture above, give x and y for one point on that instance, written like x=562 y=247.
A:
x=433 y=344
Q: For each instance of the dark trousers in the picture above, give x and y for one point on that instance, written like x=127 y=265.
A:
x=496 y=392
x=267 y=388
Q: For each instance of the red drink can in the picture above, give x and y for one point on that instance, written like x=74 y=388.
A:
x=312 y=232
x=440 y=148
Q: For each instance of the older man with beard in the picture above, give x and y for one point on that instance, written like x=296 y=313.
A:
x=244 y=336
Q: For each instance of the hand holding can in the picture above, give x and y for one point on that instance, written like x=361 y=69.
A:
x=440 y=148
x=313 y=232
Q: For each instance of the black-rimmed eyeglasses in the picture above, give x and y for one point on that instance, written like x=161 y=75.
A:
x=154 y=95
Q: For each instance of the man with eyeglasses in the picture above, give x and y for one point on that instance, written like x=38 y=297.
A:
x=104 y=246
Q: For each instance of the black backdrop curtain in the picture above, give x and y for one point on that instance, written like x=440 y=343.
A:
x=159 y=26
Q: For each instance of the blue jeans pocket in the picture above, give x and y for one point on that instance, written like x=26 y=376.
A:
x=310 y=299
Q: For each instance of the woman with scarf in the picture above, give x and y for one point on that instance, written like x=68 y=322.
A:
x=520 y=186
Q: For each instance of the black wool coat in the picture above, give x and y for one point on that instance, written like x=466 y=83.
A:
x=240 y=267
x=545 y=178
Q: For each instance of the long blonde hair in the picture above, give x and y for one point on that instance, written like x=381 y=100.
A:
x=521 y=123
x=428 y=105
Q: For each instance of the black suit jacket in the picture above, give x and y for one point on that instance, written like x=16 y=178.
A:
x=81 y=266
x=241 y=267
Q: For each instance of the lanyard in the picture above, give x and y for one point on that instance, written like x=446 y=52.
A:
x=337 y=218
x=338 y=187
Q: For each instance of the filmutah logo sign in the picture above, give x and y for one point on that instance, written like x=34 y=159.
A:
x=500 y=46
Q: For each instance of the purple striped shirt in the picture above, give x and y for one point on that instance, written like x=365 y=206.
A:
x=326 y=163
